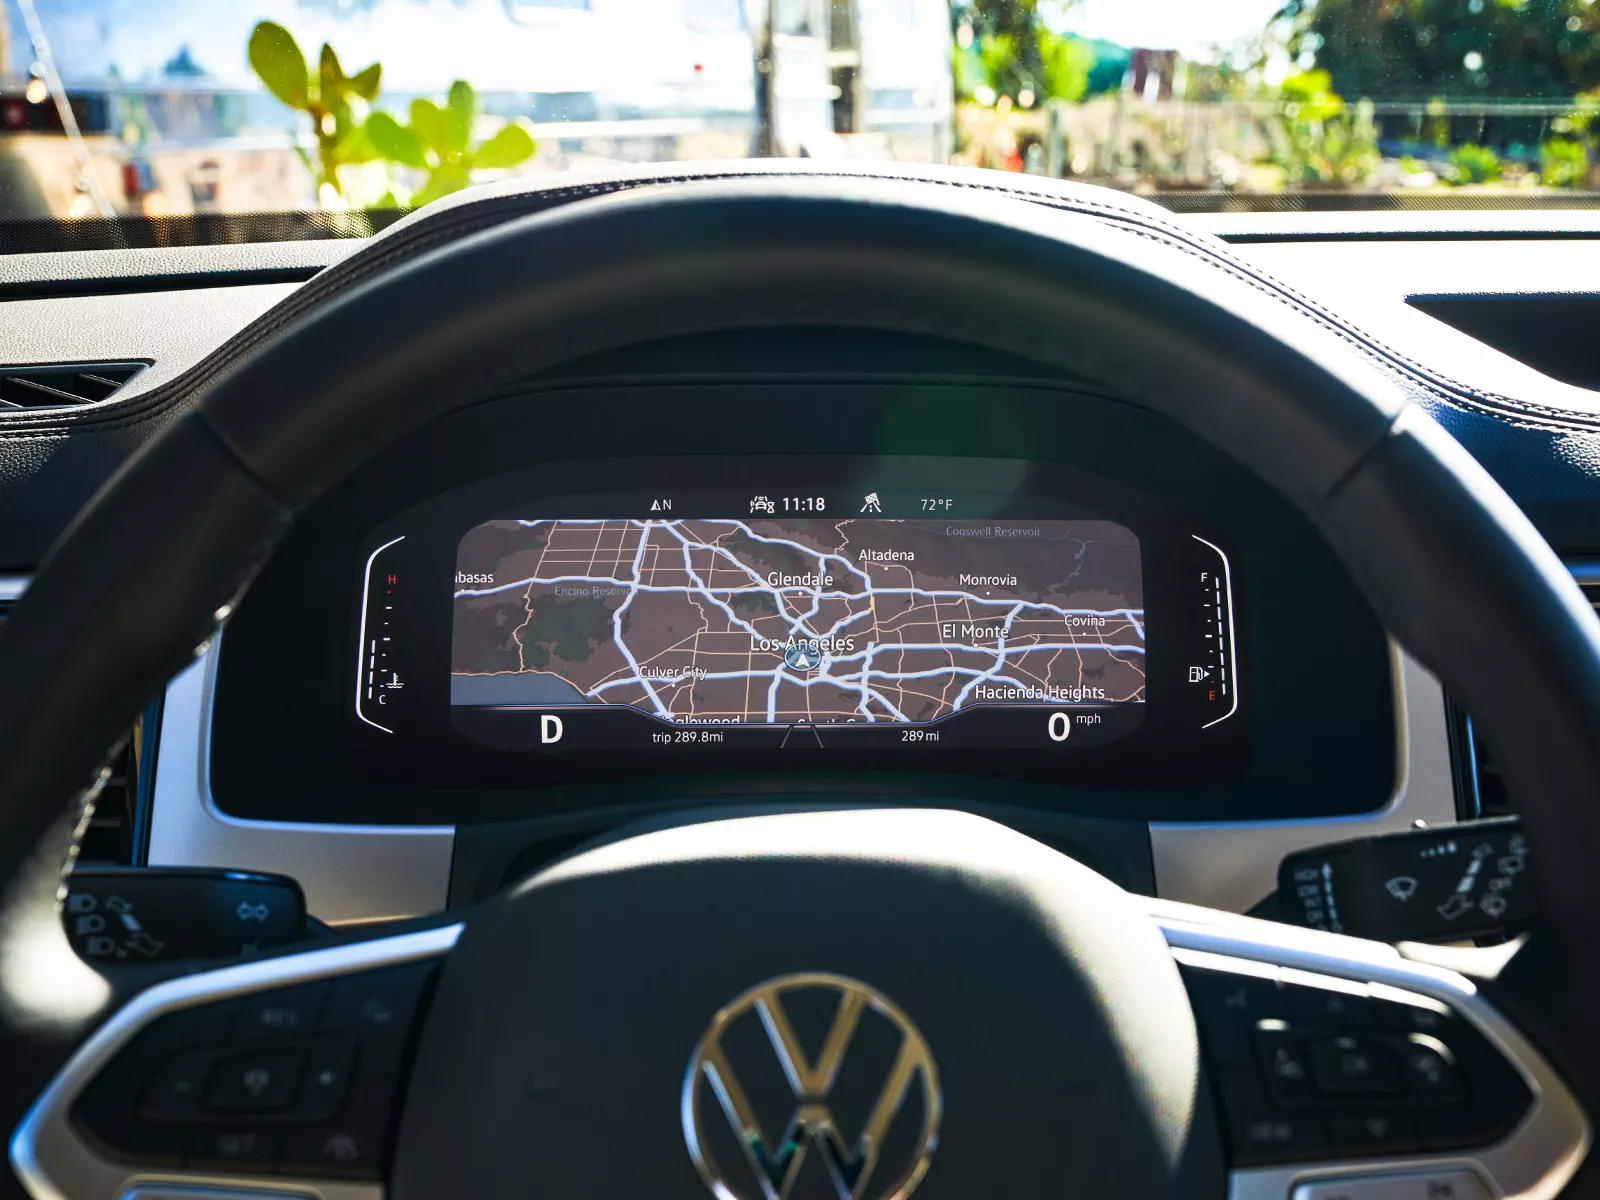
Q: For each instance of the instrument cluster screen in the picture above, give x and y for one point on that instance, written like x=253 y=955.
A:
x=814 y=611
x=782 y=622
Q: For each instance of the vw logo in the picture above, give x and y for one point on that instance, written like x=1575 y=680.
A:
x=712 y=1092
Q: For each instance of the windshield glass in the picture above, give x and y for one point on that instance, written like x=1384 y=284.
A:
x=255 y=119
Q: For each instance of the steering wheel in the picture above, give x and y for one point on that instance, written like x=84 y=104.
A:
x=872 y=1002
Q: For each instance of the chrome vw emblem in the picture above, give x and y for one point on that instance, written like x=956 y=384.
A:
x=712 y=1092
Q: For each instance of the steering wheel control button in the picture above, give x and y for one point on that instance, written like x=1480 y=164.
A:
x=173 y=1096
x=1228 y=1008
x=147 y=1145
x=1372 y=1132
x=1428 y=1017
x=112 y=1106
x=337 y=1150
x=327 y=1079
x=1328 y=1007
x=378 y=1005
x=1430 y=1072
x=287 y=1011
x=352 y=1145
x=1261 y=1131
x=261 y=1081
x=188 y=1029
x=233 y=1147
x=1281 y=1057
x=1432 y=1185
x=1352 y=1066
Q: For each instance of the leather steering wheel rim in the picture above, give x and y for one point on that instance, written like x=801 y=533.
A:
x=1453 y=568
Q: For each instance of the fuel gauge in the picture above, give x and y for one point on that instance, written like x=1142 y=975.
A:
x=1215 y=671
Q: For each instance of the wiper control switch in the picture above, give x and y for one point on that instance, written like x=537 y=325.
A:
x=1445 y=884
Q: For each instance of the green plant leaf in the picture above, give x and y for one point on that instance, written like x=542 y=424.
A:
x=427 y=122
x=451 y=177
x=330 y=78
x=355 y=146
x=365 y=83
x=509 y=146
x=394 y=141
x=459 y=114
x=275 y=57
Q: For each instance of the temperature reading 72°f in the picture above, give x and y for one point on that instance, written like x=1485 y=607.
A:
x=377 y=681
x=1216 y=669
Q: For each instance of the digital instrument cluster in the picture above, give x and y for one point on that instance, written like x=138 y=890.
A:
x=822 y=612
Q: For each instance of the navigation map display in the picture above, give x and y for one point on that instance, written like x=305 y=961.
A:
x=780 y=620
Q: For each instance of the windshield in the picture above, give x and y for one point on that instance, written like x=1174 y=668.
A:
x=254 y=119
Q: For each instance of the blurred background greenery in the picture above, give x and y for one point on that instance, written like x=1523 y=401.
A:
x=157 y=107
x=1337 y=95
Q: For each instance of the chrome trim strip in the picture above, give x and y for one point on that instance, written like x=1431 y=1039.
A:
x=1233 y=866
x=1533 y=1162
x=54 y=1163
x=162 y=1191
x=12 y=586
x=350 y=873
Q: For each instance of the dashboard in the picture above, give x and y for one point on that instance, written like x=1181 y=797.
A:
x=1071 y=616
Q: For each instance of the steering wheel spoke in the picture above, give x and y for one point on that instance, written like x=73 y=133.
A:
x=1345 y=1070
x=1339 y=1067
x=281 y=1076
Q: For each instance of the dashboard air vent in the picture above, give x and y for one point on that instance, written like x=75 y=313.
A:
x=63 y=386
x=114 y=831
x=1480 y=788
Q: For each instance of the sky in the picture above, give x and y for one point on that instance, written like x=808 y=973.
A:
x=1190 y=26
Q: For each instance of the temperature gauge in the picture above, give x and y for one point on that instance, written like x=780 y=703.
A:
x=1215 y=670
x=378 y=682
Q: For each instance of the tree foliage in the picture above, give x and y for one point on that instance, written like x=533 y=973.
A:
x=1014 y=51
x=1326 y=142
x=1456 y=49
x=1066 y=64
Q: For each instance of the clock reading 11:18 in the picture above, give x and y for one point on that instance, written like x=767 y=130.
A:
x=812 y=504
